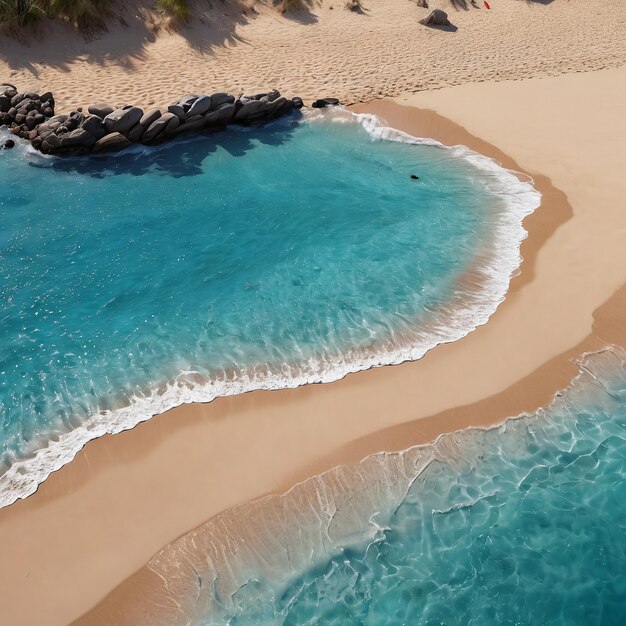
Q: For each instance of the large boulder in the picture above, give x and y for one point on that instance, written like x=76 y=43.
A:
x=78 y=137
x=94 y=126
x=136 y=133
x=112 y=142
x=220 y=98
x=152 y=115
x=200 y=106
x=187 y=101
x=101 y=110
x=122 y=120
x=249 y=110
x=5 y=103
x=436 y=18
x=220 y=117
x=178 y=110
x=158 y=127
x=324 y=102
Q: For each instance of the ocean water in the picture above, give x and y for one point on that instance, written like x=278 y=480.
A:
x=523 y=524
x=257 y=258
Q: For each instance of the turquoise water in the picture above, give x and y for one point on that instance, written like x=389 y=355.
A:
x=257 y=258
x=523 y=524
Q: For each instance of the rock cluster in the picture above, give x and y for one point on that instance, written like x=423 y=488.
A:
x=24 y=112
x=104 y=128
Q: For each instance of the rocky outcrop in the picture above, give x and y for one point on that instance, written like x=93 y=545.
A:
x=325 y=102
x=436 y=18
x=105 y=128
x=24 y=112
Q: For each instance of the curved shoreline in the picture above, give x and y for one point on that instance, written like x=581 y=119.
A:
x=481 y=289
x=346 y=506
x=173 y=458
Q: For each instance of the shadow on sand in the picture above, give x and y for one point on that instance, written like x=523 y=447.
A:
x=129 y=31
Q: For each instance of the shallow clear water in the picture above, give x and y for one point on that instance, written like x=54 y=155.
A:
x=522 y=524
x=266 y=257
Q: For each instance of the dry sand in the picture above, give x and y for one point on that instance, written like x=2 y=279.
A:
x=319 y=51
x=101 y=517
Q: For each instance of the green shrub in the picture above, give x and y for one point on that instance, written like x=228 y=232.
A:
x=84 y=14
x=176 y=9
x=20 y=13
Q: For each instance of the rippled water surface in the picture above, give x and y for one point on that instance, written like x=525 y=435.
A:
x=256 y=258
x=523 y=524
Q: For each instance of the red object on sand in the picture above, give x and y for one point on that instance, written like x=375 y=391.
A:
x=486 y=4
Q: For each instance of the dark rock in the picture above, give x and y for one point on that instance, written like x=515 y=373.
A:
x=122 y=120
x=158 y=127
x=9 y=92
x=17 y=98
x=436 y=18
x=9 y=85
x=172 y=125
x=221 y=117
x=9 y=143
x=220 y=98
x=101 y=110
x=281 y=106
x=36 y=142
x=19 y=118
x=112 y=142
x=187 y=101
x=47 y=111
x=297 y=102
x=72 y=122
x=57 y=119
x=249 y=109
x=324 y=102
x=78 y=137
x=201 y=106
x=150 y=116
x=177 y=110
x=94 y=126
x=47 y=97
x=191 y=123
x=5 y=103
x=30 y=123
x=135 y=133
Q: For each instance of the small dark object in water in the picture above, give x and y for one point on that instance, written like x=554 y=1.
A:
x=324 y=102
x=9 y=143
x=414 y=177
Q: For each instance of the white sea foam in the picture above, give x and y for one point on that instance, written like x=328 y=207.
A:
x=469 y=308
x=271 y=541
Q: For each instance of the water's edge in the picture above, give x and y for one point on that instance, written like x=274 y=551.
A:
x=469 y=310
x=269 y=541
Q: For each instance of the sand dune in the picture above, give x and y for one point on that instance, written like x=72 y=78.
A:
x=325 y=49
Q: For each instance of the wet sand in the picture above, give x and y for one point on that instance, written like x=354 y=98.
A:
x=100 y=518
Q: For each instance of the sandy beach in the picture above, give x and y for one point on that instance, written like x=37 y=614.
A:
x=541 y=112
x=322 y=50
